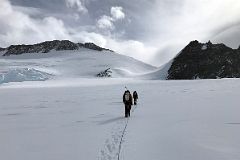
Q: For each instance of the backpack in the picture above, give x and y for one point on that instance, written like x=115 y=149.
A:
x=135 y=95
x=127 y=96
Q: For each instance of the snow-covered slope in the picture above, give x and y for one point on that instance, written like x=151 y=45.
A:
x=69 y=64
x=186 y=120
x=76 y=115
x=158 y=74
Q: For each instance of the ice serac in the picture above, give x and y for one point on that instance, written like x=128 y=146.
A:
x=205 y=61
x=23 y=74
x=47 y=46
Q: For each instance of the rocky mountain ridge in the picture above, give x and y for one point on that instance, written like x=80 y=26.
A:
x=2 y=49
x=205 y=61
x=47 y=46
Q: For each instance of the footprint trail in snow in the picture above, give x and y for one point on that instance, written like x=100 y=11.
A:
x=113 y=146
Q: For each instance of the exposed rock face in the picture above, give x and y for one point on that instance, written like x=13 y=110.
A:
x=66 y=45
x=2 y=49
x=106 y=73
x=206 y=61
x=92 y=46
x=47 y=46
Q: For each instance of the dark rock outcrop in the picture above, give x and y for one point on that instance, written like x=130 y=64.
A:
x=205 y=61
x=66 y=45
x=2 y=49
x=47 y=46
x=106 y=73
x=92 y=46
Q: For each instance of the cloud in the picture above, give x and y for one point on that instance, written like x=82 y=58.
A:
x=132 y=48
x=153 y=31
x=18 y=28
x=171 y=25
x=229 y=36
x=76 y=4
x=84 y=36
x=28 y=10
x=117 y=13
x=105 y=22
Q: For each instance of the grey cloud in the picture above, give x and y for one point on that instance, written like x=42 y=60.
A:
x=229 y=36
x=161 y=28
x=105 y=22
x=117 y=13
x=78 y=4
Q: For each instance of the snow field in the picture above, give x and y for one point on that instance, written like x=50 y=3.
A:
x=69 y=64
x=59 y=124
x=186 y=120
x=173 y=120
x=74 y=115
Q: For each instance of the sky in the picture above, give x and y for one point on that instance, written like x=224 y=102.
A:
x=152 y=31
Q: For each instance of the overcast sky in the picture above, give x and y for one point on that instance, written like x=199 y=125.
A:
x=153 y=31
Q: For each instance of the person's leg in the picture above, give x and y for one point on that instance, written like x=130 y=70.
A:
x=129 y=111
x=126 y=111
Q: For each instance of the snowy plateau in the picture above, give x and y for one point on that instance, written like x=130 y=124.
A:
x=53 y=106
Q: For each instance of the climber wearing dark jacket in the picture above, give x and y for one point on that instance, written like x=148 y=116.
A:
x=135 y=97
x=127 y=100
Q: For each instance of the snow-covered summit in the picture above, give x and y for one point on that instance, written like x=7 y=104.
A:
x=86 y=62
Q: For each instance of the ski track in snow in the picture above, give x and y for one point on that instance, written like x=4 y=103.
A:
x=113 y=146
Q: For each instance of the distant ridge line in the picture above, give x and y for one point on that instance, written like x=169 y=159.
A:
x=47 y=46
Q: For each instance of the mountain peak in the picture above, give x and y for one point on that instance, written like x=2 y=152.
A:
x=47 y=46
x=205 y=61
